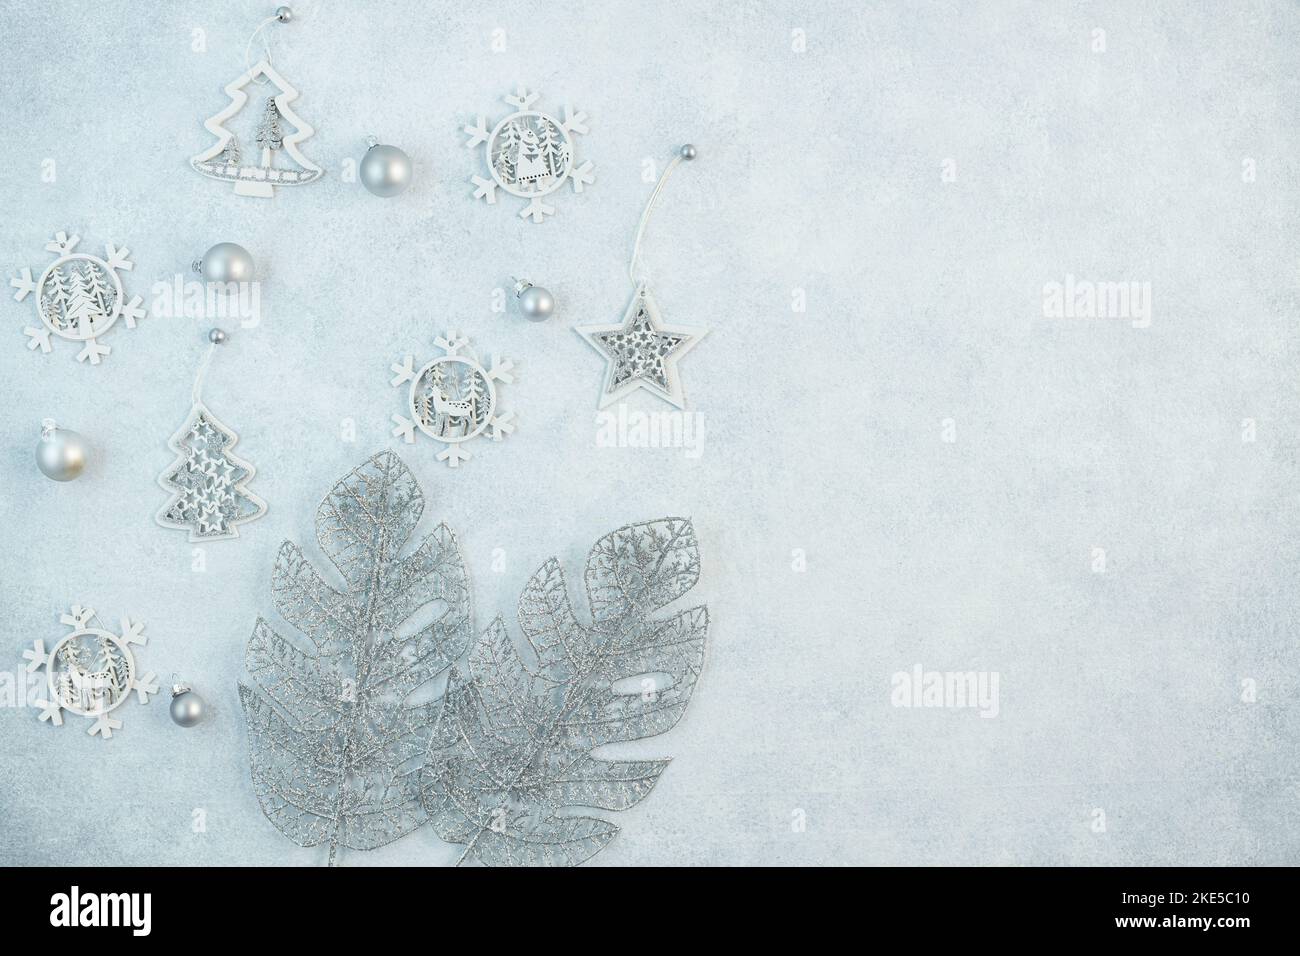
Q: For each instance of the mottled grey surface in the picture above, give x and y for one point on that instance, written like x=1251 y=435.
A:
x=821 y=171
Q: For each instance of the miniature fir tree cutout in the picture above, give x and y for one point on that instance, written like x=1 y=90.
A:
x=207 y=481
x=275 y=159
x=78 y=297
x=641 y=352
x=91 y=672
x=529 y=154
x=453 y=398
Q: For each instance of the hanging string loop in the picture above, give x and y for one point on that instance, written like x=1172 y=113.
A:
x=685 y=153
x=281 y=15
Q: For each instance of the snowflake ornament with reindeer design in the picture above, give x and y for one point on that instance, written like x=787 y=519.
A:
x=453 y=398
x=78 y=297
x=530 y=155
x=91 y=672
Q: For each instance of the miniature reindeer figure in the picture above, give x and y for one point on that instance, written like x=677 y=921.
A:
x=461 y=411
x=86 y=690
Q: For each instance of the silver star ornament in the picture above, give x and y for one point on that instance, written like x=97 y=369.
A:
x=641 y=352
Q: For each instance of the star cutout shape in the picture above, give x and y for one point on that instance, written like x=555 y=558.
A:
x=641 y=352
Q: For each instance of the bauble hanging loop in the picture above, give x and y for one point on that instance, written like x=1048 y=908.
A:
x=535 y=303
x=187 y=706
x=225 y=262
x=60 y=454
x=385 y=170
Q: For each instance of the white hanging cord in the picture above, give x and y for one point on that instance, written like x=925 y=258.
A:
x=197 y=391
x=283 y=15
x=645 y=218
x=266 y=46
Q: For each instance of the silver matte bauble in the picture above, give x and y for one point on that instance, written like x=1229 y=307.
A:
x=535 y=303
x=385 y=170
x=226 y=262
x=187 y=706
x=688 y=151
x=283 y=14
x=60 y=454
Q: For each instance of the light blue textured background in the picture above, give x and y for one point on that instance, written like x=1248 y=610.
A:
x=820 y=170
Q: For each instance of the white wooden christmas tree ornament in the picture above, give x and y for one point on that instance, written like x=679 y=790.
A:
x=453 y=399
x=79 y=297
x=271 y=156
x=642 y=352
x=91 y=672
x=207 y=481
x=529 y=154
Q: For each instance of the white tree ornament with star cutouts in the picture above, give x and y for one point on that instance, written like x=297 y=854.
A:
x=91 y=672
x=641 y=352
x=78 y=297
x=453 y=399
x=529 y=154
x=207 y=481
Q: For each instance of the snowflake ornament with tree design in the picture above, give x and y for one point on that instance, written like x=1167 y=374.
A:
x=453 y=398
x=530 y=155
x=90 y=672
x=78 y=297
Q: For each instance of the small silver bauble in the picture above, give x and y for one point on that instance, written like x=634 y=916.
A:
x=226 y=262
x=688 y=151
x=283 y=14
x=217 y=336
x=535 y=303
x=385 y=170
x=187 y=706
x=60 y=454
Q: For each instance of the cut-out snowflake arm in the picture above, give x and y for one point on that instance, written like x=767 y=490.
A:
x=104 y=725
x=522 y=99
x=51 y=711
x=145 y=686
x=574 y=122
x=40 y=339
x=405 y=371
x=484 y=189
x=477 y=134
x=453 y=455
x=405 y=429
x=118 y=258
x=451 y=343
x=92 y=351
x=61 y=244
x=77 y=616
x=537 y=209
x=501 y=425
x=36 y=657
x=133 y=633
x=24 y=284
x=582 y=176
x=131 y=311
x=499 y=371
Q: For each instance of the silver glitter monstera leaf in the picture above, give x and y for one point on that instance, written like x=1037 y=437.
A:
x=511 y=755
x=335 y=746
